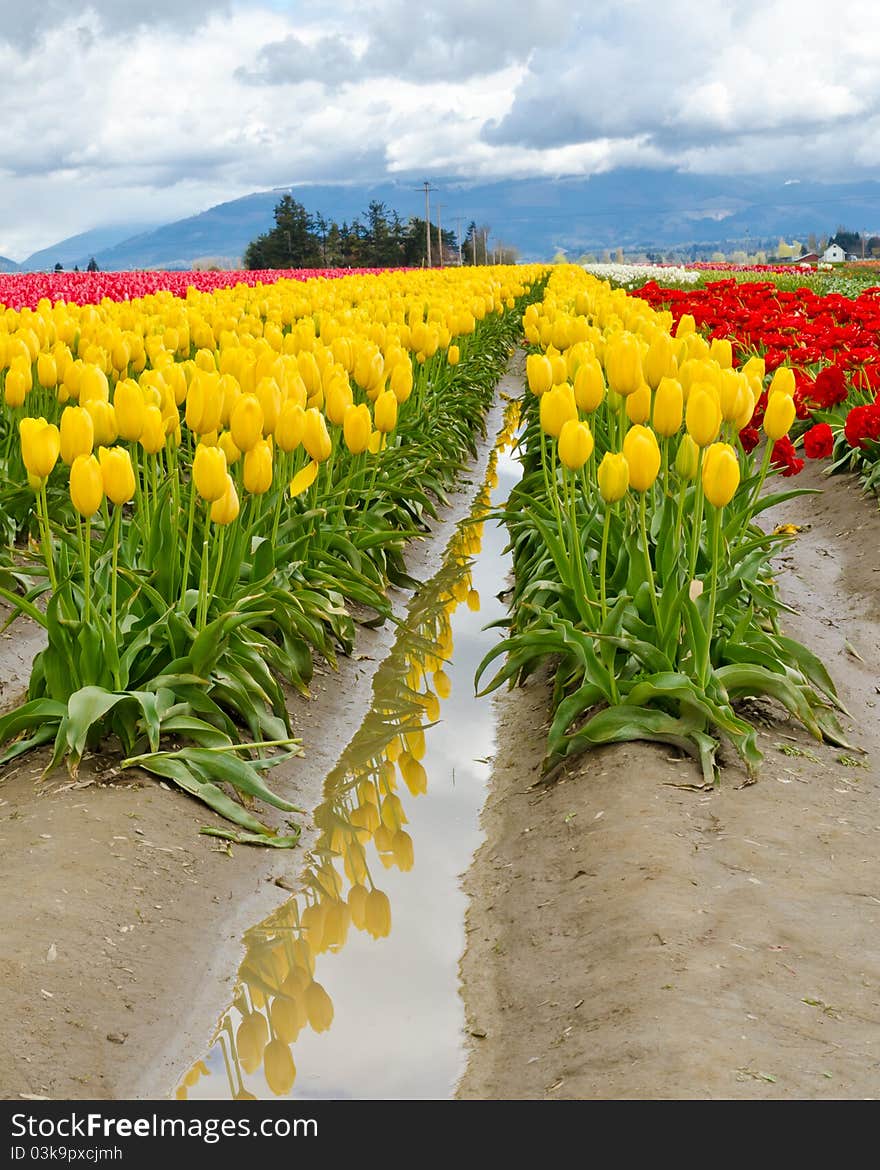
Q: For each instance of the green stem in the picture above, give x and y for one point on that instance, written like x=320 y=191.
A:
x=187 y=553
x=646 y=548
x=117 y=521
x=713 y=594
x=698 y=518
x=87 y=572
x=202 y=604
x=46 y=532
x=603 y=562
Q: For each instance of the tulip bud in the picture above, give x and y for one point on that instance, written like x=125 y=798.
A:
x=668 y=407
x=720 y=474
x=318 y=1003
x=40 y=446
x=687 y=458
x=103 y=421
x=659 y=361
x=575 y=445
x=204 y=403
x=118 y=474
x=613 y=477
x=258 y=468
x=623 y=363
x=225 y=509
x=638 y=405
x=93 y=385
x=356 y=428
x=385 y=412
x=453 y=355
x=226 y=443
x=539 y=373
x=778 y=416
x=86 y=485
x=153 y=436
x=129 y=406
x=556 y=408
x=589 y=385
x=16 y=386
x=642 y=454
x=378 y=914
x=290 y=426
x=703 y=415
x=782 y=382
x=47 y=371
x=401 y=381
x=686 y=325
x=735 y=395
x=279 y=1068
x=316 y=438
x=755 y=367
x=268 y=394
x=721 y=351
x=339 y=398
x=77 y=433
x=246 y=422
x=209 y=472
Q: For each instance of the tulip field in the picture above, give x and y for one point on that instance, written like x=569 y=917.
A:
x=203 y=478
x=641 y=572
x=198 y=493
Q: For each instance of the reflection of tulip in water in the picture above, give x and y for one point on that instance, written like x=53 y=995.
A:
x=279 y=1068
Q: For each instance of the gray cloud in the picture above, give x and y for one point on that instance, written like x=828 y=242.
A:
x=330 y=60
x=25 y=23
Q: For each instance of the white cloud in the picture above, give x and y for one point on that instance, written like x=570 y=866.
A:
x=109 y=118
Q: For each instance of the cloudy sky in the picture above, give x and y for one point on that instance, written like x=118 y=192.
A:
x=147 y=110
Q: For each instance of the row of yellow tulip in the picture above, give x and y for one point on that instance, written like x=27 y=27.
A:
x=663 y=613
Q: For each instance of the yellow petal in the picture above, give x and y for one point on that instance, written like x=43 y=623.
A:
x=304 y=479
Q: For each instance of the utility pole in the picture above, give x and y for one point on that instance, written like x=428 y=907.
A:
x=485 y=245
x=458 y=227
x=440 y=206
x=427 y=188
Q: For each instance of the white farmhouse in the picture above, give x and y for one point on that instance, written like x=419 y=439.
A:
x=834 y=254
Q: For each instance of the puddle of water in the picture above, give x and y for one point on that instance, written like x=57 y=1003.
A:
x=350 y=989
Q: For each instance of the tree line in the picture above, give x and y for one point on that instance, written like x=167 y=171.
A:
x=378 y=239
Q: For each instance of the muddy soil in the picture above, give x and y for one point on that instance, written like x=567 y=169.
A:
x=632 y=935
x=117 y=912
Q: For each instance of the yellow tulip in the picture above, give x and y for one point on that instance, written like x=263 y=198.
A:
x=258 y=468
x=721 y=351
x=401 y=380
x=453 y=355
x=559 y=367
x=778 y=416
x=703 y=415
x=589 y=385
x=318 y=1004
x=226 y=443
x=118 y=474
x=557 y=407
x=93 y=385
x=246 y=422
x=153 y=435
x=720 y=474
x=575 y=445
x=339 y=398
x=225 y=509
x=316 y=438
x=290 y=426
x=735 y=395
x=209 y=472
x=77 y=433
x=129 y=407
x=402 y=848
x=686 y=325
x=356 y=428
x=642 y=454
x=16 y=386
x=378 y=914
x=47 y=371
x=204 y=403
x=782 y=382
x=268 y=394
x=385 y=412
x=86 y=485
x=539 y=373
x=279 y=1068
x=103 y=421
x=668 y=407
x=659 y=361
x=613 y=477
x=638 y=405
x=303 y=479
x=687 y=457
x=623 y=363
x=40 y=446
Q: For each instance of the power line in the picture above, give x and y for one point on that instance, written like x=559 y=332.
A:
x=428 y=188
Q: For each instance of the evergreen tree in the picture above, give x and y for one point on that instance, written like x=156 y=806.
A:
x=292 y=243
x=92 y=265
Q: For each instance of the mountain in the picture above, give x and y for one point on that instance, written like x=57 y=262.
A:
x=7 y=265
x=78 y=250
x=644 y=210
